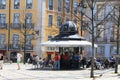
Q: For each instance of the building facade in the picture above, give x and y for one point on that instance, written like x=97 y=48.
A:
x=17 y=24
x=107 y=40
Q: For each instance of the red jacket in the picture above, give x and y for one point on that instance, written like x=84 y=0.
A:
x=57 y=57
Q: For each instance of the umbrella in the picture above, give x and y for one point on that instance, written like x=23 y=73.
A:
x=67 y=43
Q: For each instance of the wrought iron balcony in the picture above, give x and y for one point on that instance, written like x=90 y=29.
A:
x=15 y=47
x=99 y=39
x=28 y=26
x=112 y=39
x=3 y=25
x=16 y=7
x=16 y=26
x=29 y=6
x=105 y=39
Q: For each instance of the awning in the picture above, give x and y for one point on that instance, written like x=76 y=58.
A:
x=68 y=43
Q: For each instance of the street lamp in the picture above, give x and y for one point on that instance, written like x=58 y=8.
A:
x=81 y=9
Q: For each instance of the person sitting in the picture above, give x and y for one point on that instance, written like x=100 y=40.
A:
x=41 y=62
x=35 y=61
x=106 y=63
x=112 y=62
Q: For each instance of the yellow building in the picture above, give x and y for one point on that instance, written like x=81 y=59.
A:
x=57 y=12
x=13 y=16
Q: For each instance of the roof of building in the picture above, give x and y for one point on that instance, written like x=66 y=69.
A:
x=68 y=31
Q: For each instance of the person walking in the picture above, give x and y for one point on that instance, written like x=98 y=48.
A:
x=37 y=61
x=19 y=56
x=1 y=61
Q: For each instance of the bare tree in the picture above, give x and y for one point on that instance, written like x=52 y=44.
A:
x=116 y=20
x=27 y=31
x=92 y=25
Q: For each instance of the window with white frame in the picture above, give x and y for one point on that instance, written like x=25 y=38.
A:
x=16 y=4
x=29 y=39
x=109 y=10
x=100 y=32
x=29 y=4
x=100 y=50
x=15 y=40
x=50 y=20
x=49 y=37
x=59 y=5
x=28 y=17
x=59 y=21
x=113 y=50
x=2 y=40
x=101 y=12
x=67 y=6
x=50 y=5
x=116 y=12
x=115 y=32
x=2 y=4
x=75 y=5
x=16 y=18
x=2 y=18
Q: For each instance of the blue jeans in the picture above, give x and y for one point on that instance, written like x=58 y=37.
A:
x=57 y=65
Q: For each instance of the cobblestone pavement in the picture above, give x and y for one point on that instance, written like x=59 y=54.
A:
x=27 y=72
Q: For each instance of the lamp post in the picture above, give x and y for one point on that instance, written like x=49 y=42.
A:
x=81 y=9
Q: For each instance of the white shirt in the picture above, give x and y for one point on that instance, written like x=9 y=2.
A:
x=19 y=57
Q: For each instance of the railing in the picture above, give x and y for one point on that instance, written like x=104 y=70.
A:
x=112 y=39
x=14 y=46
x=29 y=6
x=16 y=26
x=3 y=25
x=18 y=47
x=28 y=26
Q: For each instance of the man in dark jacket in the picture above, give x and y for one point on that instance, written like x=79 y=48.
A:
x=1 y=61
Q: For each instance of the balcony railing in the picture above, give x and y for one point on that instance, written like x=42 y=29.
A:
x=3 y=25
x=99 y=39
x=105 y=39
x=29 y=6
x=16 y=26
x=112 y=39
x=14 y=46
x=28 y=26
